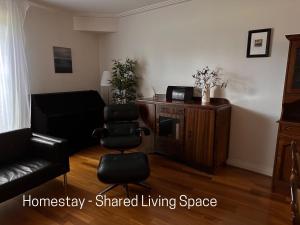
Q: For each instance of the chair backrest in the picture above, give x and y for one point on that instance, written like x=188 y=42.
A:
x=295 y=184
x=126 y=112
x=121 y=120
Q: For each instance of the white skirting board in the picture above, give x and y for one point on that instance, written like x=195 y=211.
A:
x=268 y=171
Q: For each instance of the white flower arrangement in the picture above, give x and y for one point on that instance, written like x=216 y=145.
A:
x=206 y=79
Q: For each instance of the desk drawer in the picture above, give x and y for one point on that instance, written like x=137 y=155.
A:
x=170 y=110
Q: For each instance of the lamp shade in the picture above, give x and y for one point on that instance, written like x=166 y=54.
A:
x=106 y=78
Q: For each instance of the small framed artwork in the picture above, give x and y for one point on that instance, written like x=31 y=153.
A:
x=259 y=43
x=62 y=60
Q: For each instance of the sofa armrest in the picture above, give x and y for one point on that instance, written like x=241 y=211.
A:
x=49 y=138
x=49 y=148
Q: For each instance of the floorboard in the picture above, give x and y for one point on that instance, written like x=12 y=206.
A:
x=244 y=198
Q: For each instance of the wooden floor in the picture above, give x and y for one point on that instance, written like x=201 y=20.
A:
x=244 y=198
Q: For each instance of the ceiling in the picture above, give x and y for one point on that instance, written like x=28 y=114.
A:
x=98 y=6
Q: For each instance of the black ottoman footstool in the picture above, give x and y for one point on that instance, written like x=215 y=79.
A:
x=123 y=169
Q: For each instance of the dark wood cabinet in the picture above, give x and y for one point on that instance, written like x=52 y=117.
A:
x=293 y=68
x=283 y=164
x=199 y=136
x=195 y=134
x=169 y=138
x=289 y=123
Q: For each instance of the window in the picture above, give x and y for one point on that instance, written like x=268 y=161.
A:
x=14 y=87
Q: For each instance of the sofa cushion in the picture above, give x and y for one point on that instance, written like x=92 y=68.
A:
x=122 y=128
x=20 y=169
x=14 y=145
x=34 y=159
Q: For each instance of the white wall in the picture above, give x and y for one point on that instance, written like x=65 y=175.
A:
x=47 y=28
x=172 y=42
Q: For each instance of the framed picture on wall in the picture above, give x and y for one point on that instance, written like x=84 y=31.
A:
x=259 y=43
x=62 y=60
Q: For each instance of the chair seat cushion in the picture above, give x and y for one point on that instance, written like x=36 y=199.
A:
x=20 y=169
x=121 y=142
x=123 y=168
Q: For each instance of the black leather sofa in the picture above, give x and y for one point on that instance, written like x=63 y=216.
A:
x=69 y=115
x=28 y=160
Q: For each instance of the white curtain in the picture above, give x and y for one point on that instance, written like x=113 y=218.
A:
x=14 y=81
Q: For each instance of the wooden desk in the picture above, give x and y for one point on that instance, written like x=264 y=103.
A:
x=195 y=134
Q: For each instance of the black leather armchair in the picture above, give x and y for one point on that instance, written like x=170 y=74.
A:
x=28 y=160
x=122 y=132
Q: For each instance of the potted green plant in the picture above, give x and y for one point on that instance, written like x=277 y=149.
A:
x=124 y=81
